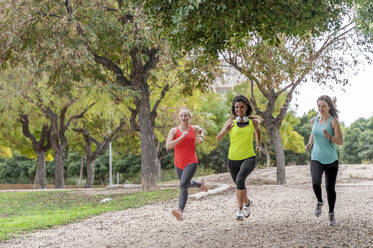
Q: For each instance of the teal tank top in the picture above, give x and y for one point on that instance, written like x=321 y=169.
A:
x=323 y=150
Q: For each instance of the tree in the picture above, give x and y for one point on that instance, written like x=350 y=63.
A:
x=279 y=70
x=60 y=123
x=110 y=42
x=17 y=110
x=43 y=113
x=215 y=25
x=94 y=148
x=40 y=147
x=357 y=141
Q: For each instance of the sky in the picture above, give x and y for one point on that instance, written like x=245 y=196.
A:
x=354 y=102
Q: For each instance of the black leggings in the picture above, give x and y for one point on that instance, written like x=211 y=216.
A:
x=331 y=170
x=186 y=181
x=240 y=170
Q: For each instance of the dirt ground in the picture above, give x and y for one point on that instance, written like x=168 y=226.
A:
x=282 y=216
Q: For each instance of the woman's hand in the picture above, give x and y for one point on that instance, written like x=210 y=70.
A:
x=327 y=135
x=200 y=139
x=184 y=133
x=308 y=147
x=259 y=150
x=228 y=125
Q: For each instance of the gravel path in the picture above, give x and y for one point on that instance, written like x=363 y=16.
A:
x=282 y=216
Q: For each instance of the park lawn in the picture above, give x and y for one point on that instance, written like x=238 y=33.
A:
x=22 y=212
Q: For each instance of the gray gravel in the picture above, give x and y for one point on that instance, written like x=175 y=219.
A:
x=282 y=216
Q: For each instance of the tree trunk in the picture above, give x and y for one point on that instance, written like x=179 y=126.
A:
x=268 y=157
x=280 y=155
x=158 y=167
x=36 y=179
x=90 y=173
x=42 y=170
x=148 y=146
x=81 y=171
x=158 y=163
x=59 y=170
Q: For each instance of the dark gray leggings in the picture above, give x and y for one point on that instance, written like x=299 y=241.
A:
x=186 y=181
x=331 y=170
x=240 y=170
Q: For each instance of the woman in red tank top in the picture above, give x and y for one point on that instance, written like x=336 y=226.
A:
x=183 y=139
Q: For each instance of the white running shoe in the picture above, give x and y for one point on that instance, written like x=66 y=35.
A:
x=246 y=209
x=239 y=215
x=318 y=209
x=331 y=219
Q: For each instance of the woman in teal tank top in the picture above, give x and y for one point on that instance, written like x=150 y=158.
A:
x=326 y=132
x=241 y=155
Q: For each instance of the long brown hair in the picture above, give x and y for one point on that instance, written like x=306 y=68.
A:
x=333 y=110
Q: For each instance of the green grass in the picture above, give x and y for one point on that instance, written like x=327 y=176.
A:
x=22 y=212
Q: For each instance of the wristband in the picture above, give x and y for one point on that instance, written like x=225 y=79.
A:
x=201 y=137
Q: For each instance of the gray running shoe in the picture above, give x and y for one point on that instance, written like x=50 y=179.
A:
x=246 y=209
x=318 y=209
x=239 y=215
x=331 y=219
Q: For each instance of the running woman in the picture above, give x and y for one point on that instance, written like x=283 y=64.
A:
x=183 y=138
x=241 y=155
x=326 y=132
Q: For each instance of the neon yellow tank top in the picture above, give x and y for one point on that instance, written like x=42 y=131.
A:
x=241 y=142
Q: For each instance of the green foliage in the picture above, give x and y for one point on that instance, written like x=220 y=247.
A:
x=217 y=158
x=128 y=166
x=290 y=138
x=304 y=129
x=72 y=167
x=5 y=152
x=365 y=17
x=17 y=169
x=211 y=26
x=358 y=141
x=24 y=212
x=20 y=169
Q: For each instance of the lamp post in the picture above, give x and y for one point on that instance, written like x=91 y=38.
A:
x=110 y=166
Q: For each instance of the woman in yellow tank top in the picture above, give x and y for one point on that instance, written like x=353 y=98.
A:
x=241 y=155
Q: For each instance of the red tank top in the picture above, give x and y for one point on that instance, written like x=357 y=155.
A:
x=185 y=150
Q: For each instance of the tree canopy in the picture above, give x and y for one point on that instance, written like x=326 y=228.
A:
x=213 y=25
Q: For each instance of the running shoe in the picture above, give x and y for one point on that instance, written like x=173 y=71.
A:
x=246 y=209
x=178 y=214
x=318 y=209
x=239 y=215
x=331 y=219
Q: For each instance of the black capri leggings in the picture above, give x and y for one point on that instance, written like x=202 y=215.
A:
x=331 y=170
x=240 y=170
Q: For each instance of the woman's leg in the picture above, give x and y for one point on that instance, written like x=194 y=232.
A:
x=331 y=171
x=186 y=182
x=317 y=170
x=246 y=168
x=234 y=168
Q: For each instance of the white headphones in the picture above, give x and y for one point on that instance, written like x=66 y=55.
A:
x=244 y=119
